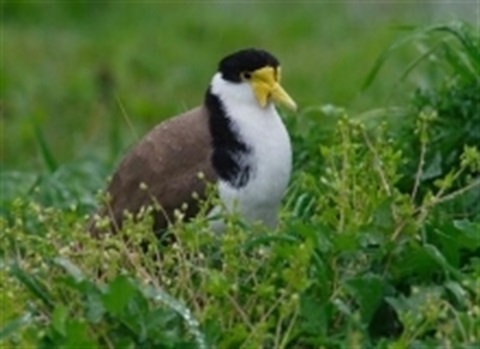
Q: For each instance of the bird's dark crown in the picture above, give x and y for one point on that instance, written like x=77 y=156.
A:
x=248 y=60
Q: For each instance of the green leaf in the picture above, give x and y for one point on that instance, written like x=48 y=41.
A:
x=470 y=233
x=342 y=307
x=94 y=308
x=320 y=270
x=383 y=217
x=433 y=168
x=59 y=319
x=368 y=291
x=414 y=262
x=454 y=238
x=164 y=326
x=118 y=294
x=438 y=257
x=159 y=295
x=346 y=242
x=458 y=291
x=315 y=315
x=77 y=336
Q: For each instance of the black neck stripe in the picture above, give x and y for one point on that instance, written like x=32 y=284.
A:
x=230 y=153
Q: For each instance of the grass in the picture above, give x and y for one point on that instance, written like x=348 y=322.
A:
x=379 y=236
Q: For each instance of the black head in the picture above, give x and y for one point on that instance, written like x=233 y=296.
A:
x=247 y=60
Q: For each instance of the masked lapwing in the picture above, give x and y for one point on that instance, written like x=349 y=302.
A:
x=235 y=140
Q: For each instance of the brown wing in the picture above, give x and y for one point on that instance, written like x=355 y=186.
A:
x=166 y=163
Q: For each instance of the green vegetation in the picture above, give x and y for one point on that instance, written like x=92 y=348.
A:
x=379 y=241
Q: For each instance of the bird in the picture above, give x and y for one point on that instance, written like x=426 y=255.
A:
x=235 y=140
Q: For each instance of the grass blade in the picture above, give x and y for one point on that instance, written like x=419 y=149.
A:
x=267 y=239
x=14 y=326
x=460 y=63
x=32 y=284
x=385 y=56
x=47 y=156
x=418 y=60
x=70 y=268
x=470 y=45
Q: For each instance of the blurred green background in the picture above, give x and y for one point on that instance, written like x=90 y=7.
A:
x=85 y=79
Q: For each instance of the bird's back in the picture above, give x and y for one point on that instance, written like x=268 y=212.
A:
x=164 y=167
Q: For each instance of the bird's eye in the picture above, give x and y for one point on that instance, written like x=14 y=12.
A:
x=247 y=75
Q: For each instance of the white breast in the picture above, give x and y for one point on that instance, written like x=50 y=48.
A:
x=271 y=156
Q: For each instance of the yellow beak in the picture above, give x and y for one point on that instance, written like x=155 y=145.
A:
x=265 y=86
